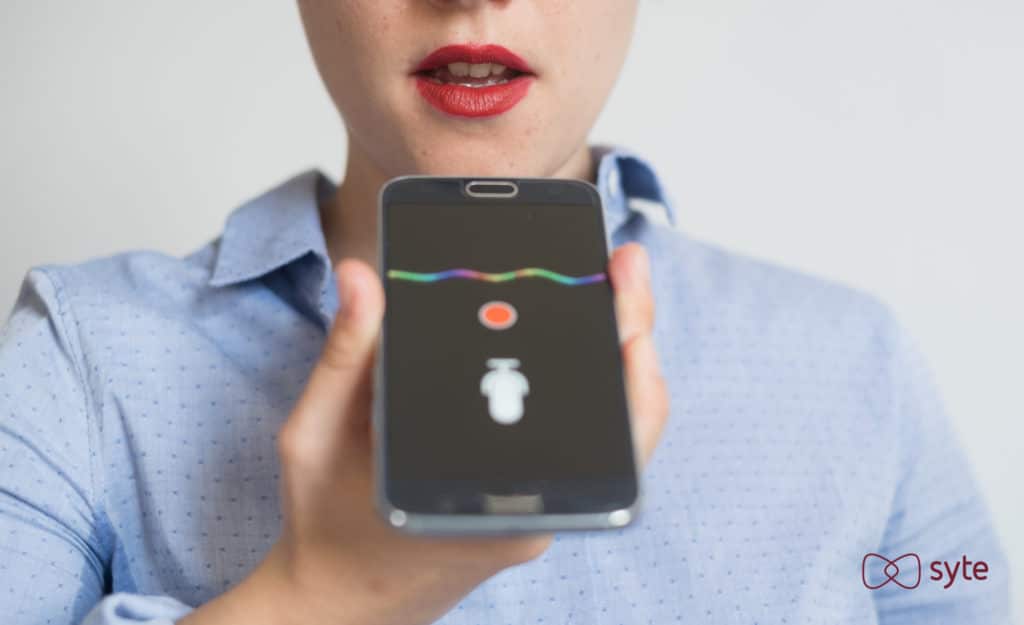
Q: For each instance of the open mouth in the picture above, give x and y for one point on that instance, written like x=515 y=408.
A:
x=473 y=80
x=471 y=74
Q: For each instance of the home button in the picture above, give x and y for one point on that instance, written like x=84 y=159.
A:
x=513 y=504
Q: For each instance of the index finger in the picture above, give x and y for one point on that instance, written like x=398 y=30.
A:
x=645 y=386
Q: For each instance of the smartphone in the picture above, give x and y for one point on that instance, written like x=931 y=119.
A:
x=500 y=405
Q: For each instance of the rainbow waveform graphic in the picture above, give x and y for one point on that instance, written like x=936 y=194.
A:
x=506 y=276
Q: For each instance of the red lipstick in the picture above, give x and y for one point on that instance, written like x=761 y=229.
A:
x=473 y=80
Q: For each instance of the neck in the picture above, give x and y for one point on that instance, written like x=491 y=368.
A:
x=349 y=217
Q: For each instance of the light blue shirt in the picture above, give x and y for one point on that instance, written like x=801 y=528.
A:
x=140 y=396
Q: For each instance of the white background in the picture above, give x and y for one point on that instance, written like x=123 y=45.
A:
x=874 y=142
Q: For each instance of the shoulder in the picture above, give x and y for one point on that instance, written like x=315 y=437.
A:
x=71 y=321
x=136 y=277
x=750 y=316
x=99 y=308
x=738 y=287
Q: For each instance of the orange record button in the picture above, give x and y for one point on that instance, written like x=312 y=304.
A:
x=497 y=315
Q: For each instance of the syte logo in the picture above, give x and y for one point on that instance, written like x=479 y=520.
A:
x=877 y=571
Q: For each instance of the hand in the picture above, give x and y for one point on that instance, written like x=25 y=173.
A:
x=335 y=560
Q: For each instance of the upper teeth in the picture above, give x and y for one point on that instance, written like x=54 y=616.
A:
x=476 y=70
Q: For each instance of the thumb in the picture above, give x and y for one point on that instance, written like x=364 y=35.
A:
x=339 y=388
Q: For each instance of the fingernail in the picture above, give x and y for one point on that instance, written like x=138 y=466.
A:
x=642 y=269
x=346 y=294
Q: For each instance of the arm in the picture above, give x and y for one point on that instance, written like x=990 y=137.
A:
x=938 y=510
x=54 y=546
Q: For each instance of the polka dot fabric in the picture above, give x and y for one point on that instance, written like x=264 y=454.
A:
x=140 y=396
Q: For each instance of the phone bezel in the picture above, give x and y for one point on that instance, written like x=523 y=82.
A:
x=449 y=191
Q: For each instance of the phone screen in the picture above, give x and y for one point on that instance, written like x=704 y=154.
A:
x=502 y=362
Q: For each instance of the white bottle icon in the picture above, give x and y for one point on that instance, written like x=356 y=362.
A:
x=504 y=386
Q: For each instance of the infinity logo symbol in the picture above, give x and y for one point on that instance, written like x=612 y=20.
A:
x=891 y=569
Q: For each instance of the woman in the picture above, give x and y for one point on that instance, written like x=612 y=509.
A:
x=186 y=439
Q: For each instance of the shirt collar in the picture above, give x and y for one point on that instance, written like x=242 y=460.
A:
x=272 y=230
x=628 y=186
x=283 y=225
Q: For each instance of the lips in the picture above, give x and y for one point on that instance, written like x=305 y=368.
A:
x=473 y=80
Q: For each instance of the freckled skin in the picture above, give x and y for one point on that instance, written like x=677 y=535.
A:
x=365 y=50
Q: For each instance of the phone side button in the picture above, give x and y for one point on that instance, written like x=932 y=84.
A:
x=513 y=504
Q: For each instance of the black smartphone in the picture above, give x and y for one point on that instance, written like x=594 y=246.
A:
x=500 y=403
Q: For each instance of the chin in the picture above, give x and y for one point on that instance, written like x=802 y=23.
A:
x=459 y=159
x=451 y=146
